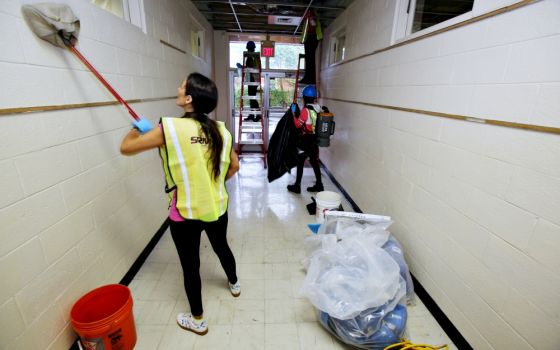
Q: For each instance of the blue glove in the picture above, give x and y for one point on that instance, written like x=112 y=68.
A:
x=239 y=65
x=295 y=109
x=143 y=125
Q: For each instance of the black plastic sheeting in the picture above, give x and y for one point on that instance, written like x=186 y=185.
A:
x=282 y=148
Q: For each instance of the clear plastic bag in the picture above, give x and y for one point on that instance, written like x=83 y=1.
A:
x=394 y=249
x=343 y=224
x=340 y=224
x=357 y=278
x=345 y=277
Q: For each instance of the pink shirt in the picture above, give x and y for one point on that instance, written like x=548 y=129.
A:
x=173 y=212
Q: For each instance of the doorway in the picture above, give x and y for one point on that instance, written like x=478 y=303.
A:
x=278 y=91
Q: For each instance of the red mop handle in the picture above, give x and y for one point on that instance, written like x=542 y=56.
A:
x=102 y=80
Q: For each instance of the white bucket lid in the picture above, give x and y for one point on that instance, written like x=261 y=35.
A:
x=328 y=196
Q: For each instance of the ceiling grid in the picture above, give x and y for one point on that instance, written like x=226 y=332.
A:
x=270 y=17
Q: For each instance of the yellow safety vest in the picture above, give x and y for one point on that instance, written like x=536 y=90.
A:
x=313 y=117
x=318 y=30
x=188 y=171
x=309 y=126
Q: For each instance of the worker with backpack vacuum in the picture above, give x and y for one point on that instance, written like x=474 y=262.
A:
x=314 y=129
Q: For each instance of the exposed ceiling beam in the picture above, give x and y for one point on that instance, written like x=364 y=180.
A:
x=260 y=2
x=239 y=14
x=243 y=24
x=259 y=31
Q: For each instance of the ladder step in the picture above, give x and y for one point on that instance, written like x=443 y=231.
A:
x=251 y=70
x=252 y=83
x=247 y=97
x=251 y=124
x=249 y=112
x=251 y=127
x=251 y=142
x=252 y=154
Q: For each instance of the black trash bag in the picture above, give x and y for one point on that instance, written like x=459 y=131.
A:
x=282 y=149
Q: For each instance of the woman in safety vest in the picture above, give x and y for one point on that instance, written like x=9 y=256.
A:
x=198 y=158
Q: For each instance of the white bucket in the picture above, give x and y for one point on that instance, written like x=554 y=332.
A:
x=326 y=200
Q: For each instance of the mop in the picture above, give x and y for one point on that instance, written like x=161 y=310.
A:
x=57 y=24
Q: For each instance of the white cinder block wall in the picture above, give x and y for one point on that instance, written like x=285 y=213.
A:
x=74 y=213
x=477 y=207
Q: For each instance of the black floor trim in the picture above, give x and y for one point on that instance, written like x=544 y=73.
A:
x=446 y=324
x=341 y=189
x=129 y=276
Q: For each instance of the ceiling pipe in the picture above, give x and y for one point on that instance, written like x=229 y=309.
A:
x=255 y=31
x=304 y=12
x=235 y=14
x=277 y=3
x=240 y=14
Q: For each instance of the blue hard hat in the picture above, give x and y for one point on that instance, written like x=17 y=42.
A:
x=309 y=91
x=250 y=45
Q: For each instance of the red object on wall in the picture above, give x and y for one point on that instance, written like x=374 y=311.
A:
x=267 y=52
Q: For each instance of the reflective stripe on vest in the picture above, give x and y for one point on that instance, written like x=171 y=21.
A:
x=187 y=168
x=311 y=120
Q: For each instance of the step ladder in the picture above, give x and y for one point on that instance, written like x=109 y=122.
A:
x=298 y=86
x=251 y=132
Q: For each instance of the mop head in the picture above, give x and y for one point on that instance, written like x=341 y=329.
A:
x=55 y=23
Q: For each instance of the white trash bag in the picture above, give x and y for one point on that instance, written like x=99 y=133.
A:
x=348 y=276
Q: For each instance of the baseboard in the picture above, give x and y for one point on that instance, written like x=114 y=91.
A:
x=440 y=317
x=129 y=276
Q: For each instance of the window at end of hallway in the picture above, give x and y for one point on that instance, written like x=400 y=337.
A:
x=286 y=56
x=130 y=10
x=428 y=15
x=338 y=47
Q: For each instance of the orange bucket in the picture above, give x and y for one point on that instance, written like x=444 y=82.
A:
x=103 y=319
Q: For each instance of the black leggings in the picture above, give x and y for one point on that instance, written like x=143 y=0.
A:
x=186 y=235
x=308 y=144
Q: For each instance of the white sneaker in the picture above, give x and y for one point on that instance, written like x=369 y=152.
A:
x=188 y=322
x=235 y=289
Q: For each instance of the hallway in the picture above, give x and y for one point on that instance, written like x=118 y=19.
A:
x=267 y=225
x=447 y=120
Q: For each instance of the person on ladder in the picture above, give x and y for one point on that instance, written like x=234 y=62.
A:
x=310 y=37
x=252 y=62
x=307 y=142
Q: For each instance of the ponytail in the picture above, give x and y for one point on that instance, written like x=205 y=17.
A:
x=204 y=95
x=215 y=142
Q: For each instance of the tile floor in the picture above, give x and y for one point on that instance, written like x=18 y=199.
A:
x=267 y=225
